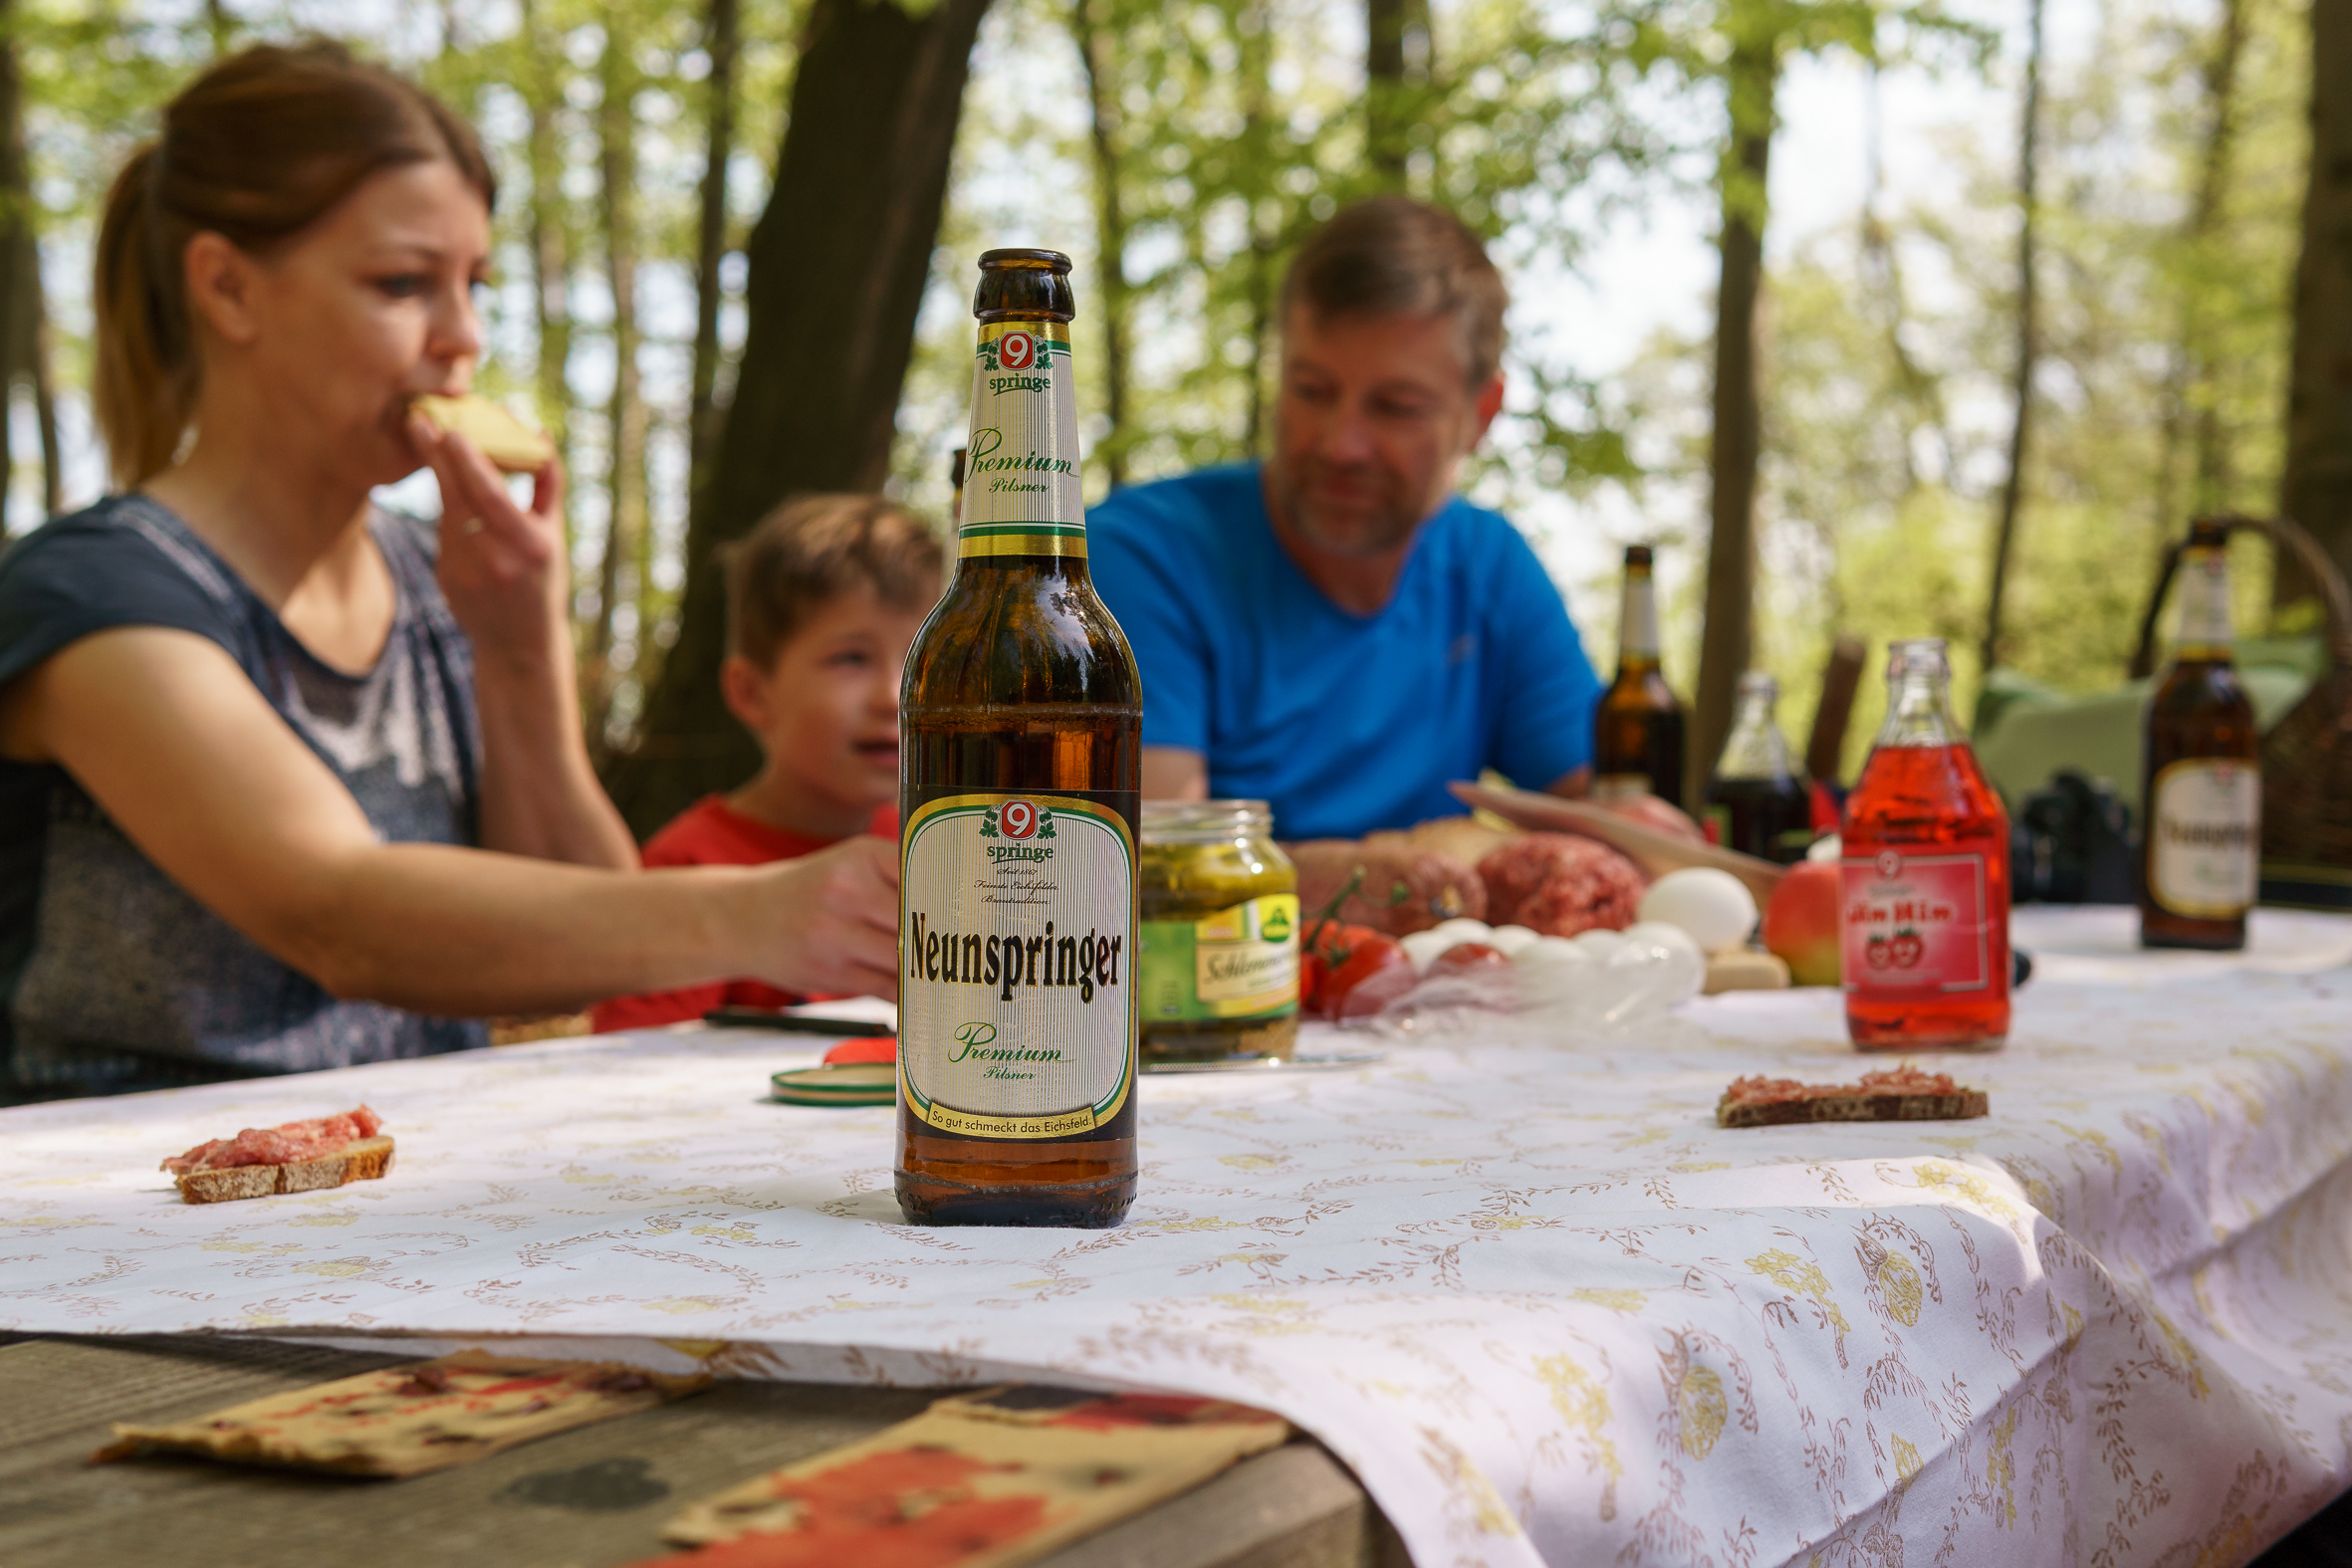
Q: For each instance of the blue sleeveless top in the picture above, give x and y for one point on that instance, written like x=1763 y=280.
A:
x=112 y=976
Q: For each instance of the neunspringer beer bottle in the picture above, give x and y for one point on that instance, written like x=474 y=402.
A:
x=1020 y=776
x=2201 y=787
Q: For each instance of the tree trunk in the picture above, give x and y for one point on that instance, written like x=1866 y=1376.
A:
x=831 y=314
x=550 y=232
x=2012 y=489
x=20 y=254
x=2186 y=378
x=1096 y=36
x=721 y=40
x=621 y=575
x=1396 y=57
x=1727 y=640
x=1256 y=26
x=2317 y=487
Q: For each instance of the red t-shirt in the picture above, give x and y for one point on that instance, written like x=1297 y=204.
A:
x=710 y=832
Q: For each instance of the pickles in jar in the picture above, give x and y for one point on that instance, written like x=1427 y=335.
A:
x=1217 y=971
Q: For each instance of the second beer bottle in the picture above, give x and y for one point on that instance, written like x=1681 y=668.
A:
x=1637 y=739
x=1020 y=776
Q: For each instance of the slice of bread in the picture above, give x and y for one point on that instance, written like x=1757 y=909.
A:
x=509 y=443
x=360 y=1161
x=1959 y=1105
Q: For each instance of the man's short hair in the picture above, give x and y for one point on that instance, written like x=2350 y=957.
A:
x=1394 y=256
x=812 y=550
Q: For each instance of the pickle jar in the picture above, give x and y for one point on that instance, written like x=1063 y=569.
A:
x=1219 y=968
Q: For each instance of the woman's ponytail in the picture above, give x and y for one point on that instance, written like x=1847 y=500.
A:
x=256 y=150
x=143 y=381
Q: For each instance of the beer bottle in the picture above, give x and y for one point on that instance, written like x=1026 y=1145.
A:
x=1755 y=803
x=1021 y=732
x=2200 y=790
x=1637 y=739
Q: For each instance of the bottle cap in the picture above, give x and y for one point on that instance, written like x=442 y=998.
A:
x=851 y=1083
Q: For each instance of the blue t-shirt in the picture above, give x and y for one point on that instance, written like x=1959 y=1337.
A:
x=1346 y=723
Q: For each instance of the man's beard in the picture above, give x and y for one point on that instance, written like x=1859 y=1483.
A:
x=1362 y=531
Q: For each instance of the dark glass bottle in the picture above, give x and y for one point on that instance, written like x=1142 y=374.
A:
x=1637 y=741
x=1755 y=803
x=1020 y=781
x=2201 y=788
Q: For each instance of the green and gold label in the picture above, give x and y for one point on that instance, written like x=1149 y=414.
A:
x=1017 y=963
x=1020 y=468
x=1239 y=962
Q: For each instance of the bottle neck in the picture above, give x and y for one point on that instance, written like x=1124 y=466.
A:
x=1637 y=623
x=1919 y=711
x=1020 y=498
x=2205 y=632
x=1755 y=748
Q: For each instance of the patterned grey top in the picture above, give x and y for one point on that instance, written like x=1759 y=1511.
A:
x=113 y=976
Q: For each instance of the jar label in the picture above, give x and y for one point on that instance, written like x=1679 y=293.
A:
x=1917 y=923
x=2204 y=837
x=1017 y=948
x=1020 y=465
x=1239 y=962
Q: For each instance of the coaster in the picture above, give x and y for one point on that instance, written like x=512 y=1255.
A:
x=852 y=1084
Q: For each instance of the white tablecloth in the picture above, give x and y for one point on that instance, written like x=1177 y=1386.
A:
x=1540 y=1303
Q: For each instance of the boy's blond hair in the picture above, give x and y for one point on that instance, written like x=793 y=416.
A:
x=813 y=550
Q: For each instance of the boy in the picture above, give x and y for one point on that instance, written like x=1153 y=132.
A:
x=824 y=596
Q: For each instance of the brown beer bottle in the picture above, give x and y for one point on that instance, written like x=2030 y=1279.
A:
x=1020 y=775
x=1637 y=742
x=2200 y=790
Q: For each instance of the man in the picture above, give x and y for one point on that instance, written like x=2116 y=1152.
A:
x=1335 y=630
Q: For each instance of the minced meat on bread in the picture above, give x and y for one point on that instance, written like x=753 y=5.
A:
x=1895 y=1094
x=295 y=1156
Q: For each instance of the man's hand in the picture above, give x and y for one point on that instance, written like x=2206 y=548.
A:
x=830 y=920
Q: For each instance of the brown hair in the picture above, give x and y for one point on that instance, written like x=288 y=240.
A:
x=1394 y=256
x=813 y=550
x=256 y=150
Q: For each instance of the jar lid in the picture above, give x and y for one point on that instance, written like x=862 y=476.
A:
x=1205 y=821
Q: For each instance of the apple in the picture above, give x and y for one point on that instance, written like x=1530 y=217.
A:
x=1800 y=922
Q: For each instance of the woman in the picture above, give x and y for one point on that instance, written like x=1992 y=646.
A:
x=287 y=782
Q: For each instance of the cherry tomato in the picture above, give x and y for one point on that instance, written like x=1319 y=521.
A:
x=1374 y=955
x=1311 y=974
x=1463 y=957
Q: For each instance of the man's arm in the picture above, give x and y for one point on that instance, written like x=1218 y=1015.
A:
x=1172 y=774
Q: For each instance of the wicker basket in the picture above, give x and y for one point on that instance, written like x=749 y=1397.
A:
x=2307 y=756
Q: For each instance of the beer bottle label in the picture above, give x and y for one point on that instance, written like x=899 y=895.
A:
x=2204 y=605
x=1017 y=963
x=2204 y=824
x=1918 y=924
x=1239 y=962
x=1637 y=618
x=1020 y=477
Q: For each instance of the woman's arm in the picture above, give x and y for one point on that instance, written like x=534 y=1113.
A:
x=508 y=583
x=168 y=735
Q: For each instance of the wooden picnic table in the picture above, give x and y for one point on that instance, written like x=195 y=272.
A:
x=587 y=1499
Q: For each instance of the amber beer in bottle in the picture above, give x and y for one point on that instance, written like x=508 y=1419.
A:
x=1018 y=793
x=1637 y=739
x=2200 y=785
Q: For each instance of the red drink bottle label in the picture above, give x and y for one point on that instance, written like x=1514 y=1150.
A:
x=1919 y=925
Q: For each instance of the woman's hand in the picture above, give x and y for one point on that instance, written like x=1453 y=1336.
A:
x=830 y=921
x=503 y=568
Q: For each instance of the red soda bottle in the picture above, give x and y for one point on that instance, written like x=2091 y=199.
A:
x=1925 y=906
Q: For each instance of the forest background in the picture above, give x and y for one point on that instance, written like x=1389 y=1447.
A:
x=1862 y=366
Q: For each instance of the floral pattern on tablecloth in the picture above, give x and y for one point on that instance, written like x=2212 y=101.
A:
x=1540 y=1303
